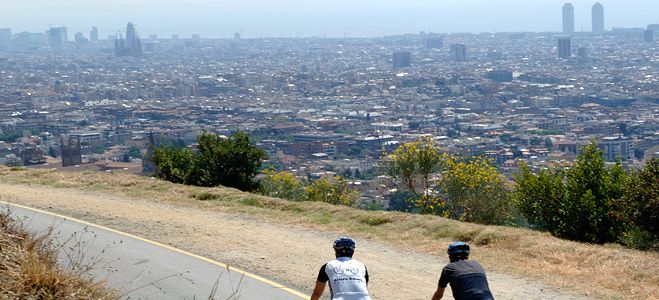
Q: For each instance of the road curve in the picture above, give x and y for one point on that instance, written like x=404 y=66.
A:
x=144 y=269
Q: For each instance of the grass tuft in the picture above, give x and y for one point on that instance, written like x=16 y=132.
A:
x=251 y=202
x=205 y=196
x=374 y=220
x=468 y=235
x=488 y=236
x=29 y=270
x=294 y=208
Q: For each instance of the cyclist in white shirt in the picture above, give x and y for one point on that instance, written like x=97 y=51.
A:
x=347 y=277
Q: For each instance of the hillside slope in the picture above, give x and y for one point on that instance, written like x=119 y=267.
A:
x=289 y=241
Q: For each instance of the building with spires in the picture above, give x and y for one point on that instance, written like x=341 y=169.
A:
x=129 y=46
x=568 y=18
x=598 y=18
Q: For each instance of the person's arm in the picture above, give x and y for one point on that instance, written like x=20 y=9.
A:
x=439 y=293
x=321 y=281
x=444 y=279
x=318 y=290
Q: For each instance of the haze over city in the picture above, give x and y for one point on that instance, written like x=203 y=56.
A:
x=300 y=18
x=215 y=148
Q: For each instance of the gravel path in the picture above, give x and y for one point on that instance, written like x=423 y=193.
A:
x=287 y=254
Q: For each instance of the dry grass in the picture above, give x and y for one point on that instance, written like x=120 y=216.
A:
x=28 y=268
x=608 y=271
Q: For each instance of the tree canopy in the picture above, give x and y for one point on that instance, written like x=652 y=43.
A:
x=232 y=162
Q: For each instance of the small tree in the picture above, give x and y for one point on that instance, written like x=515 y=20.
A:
x=412 y=164
x=231 y=162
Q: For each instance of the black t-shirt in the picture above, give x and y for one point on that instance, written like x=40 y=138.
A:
x=467 y=279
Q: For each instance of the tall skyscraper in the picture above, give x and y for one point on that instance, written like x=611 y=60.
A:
x=57 y=37
x=459 y=52
x=565 y=47
x=598 y=18
x=131 y=45
x=568 y=18
x=93 y=34
x=648 y=36
x=402 y=59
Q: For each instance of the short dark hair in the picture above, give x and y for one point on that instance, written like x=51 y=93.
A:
x=344 y=253
x=457 y=257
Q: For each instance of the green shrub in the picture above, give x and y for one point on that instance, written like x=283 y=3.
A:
x=232 y=162
x=638 y=239
x=641 y=198
x=580 y=203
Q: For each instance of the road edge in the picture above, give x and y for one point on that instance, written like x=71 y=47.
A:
x=180 y=251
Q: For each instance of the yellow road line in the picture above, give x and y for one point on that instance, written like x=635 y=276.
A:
x=217 y=263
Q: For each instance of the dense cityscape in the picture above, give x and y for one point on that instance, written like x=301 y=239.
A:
x=321 y=106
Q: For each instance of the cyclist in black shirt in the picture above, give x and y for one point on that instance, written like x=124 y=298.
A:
x=466 y=277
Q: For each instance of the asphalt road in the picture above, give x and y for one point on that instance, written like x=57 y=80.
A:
x=143 y=269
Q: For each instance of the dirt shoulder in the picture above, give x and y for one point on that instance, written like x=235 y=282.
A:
x=287 y=253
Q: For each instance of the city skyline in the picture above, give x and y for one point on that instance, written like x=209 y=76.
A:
x=292 y=18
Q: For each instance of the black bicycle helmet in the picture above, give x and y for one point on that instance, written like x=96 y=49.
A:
x=344 y=244
x=458 y=249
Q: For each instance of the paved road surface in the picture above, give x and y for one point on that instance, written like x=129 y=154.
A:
x=147 y=270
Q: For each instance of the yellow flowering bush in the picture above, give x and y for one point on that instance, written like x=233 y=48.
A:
x=334 y=190
x=474 y=191
x=281 y=185
x=468 y=190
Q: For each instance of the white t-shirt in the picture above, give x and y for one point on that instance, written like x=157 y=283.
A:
x=347 y=278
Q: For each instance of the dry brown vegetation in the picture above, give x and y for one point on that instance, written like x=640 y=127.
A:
x=604 y=271
x=28 y=268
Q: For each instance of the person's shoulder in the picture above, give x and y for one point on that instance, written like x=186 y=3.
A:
x=449 y=266
x=474 y=262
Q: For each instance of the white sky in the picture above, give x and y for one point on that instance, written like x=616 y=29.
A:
x=353 y=18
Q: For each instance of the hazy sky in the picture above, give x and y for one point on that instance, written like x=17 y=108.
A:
x=332 y=18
